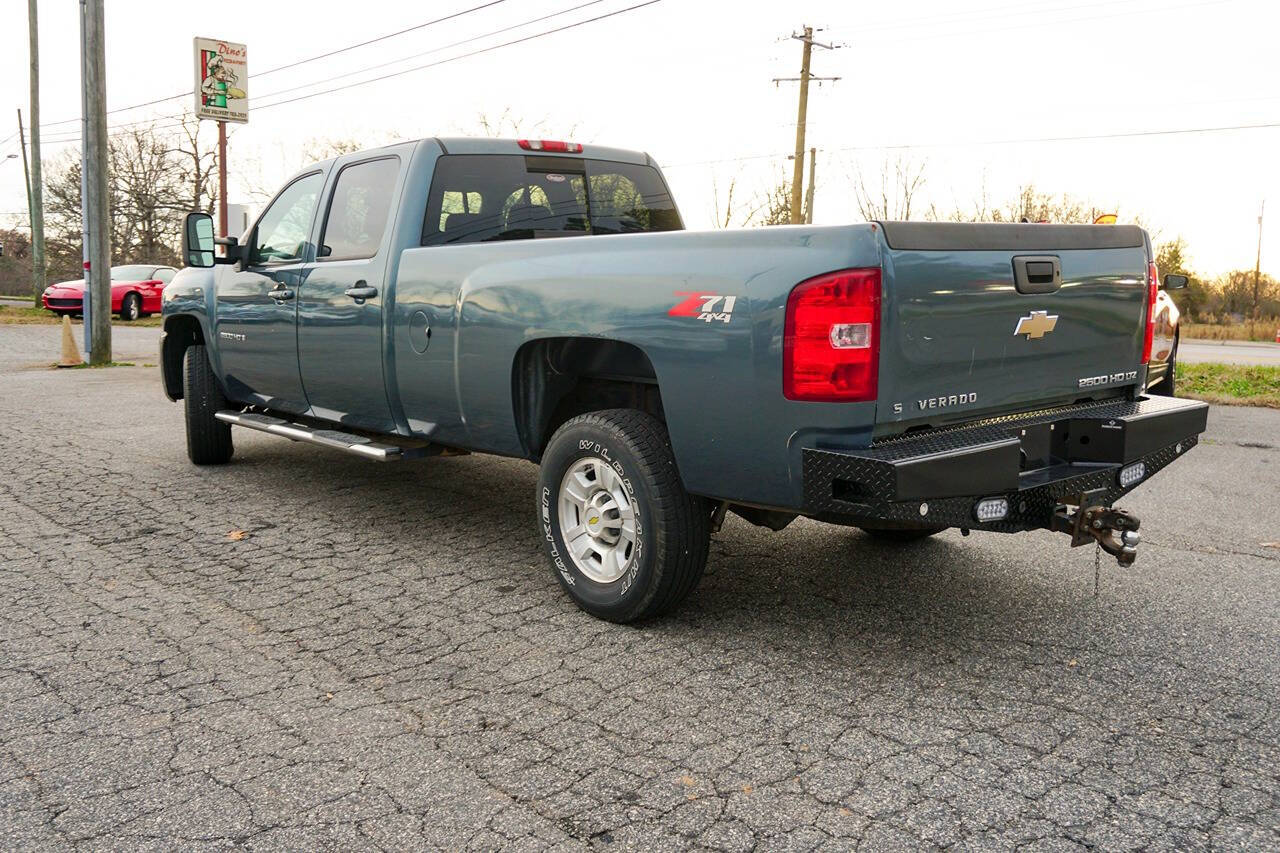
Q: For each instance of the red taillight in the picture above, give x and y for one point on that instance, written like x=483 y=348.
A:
x=1152 y=277
x=831 y=344
x=550 y=145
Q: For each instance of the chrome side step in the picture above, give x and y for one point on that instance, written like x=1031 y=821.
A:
x=358 y=444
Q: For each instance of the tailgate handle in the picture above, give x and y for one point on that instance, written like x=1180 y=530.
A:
x=1037 y=273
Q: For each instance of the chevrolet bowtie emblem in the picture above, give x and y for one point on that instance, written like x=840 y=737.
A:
x=1036 y=325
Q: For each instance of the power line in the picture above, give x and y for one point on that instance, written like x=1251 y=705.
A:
x=303 y=61
x=431 y=51
x=460 y=56
x=1012 y=141
x=477 y=52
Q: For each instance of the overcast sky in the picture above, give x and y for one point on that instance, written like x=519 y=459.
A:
x=956 y=86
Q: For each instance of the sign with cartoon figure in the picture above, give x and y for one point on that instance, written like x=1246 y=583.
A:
x=222 y=80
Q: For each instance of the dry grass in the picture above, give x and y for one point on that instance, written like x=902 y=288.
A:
x=1265 y=330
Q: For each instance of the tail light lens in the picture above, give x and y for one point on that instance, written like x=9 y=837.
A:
x=1152 y=277
x=831 y=344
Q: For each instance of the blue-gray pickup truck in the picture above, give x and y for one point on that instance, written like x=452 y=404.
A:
x=540 y=299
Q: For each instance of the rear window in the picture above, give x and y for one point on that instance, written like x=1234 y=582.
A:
x=477 y=198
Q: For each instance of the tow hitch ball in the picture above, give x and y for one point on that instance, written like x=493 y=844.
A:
x=1115 y=530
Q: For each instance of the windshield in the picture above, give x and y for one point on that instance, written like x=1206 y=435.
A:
x=132 y=272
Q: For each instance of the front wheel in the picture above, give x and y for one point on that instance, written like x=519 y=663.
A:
x=624 y=538
x=131 y=307
x=208 y=439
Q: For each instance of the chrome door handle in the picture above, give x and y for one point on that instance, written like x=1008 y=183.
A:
x=280 y=294
x=361 y=292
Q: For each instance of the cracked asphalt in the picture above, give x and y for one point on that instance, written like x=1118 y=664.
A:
x=380 y=658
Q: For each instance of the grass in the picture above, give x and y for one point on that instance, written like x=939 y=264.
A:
x=1230 y=384
x=25 y=315
x=1263 y=330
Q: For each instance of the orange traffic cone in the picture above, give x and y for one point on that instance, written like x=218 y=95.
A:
x=70 y=353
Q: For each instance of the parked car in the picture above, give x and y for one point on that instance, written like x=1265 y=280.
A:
x=135 y=292
x=540 y=300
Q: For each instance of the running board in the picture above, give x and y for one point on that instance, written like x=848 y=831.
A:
x=358 y=444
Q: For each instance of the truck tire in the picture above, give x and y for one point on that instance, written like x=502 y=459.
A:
x=131 y=307
x=208 y=439
x=624 y=538
x=909 y=534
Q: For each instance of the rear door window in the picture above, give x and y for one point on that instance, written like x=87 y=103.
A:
x=485 y=197
x=359 y=209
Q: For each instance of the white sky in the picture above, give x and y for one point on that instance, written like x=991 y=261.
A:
x=689 y=81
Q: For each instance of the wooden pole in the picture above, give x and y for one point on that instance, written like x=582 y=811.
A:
x=222 y=178
x=98 y=280
x=797 y=178
x=36 y=181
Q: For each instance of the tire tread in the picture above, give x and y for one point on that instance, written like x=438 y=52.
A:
x=208 y=439
x=682 y=540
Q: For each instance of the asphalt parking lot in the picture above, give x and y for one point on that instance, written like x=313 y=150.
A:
x=303 y=650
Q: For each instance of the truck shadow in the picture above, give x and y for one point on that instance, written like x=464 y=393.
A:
x=812 y=580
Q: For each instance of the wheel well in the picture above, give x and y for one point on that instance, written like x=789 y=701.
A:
x=555 y=379
x=180 y=332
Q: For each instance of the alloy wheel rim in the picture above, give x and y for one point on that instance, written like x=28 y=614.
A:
x=597 y=520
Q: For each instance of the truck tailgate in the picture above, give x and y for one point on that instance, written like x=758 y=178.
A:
x=967 y=334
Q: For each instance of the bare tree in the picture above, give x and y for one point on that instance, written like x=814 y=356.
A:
x=893 y=194
x=203 y=168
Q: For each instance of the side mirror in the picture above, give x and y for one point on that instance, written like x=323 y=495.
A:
x=1173 y=281
x=197 y=240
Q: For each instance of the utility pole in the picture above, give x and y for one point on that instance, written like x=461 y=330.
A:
x=797 y=179
x=222 y=178
x=1257 y=269
x=808 y=199
x=26 y=170
x=98 y=266
x=36 y=181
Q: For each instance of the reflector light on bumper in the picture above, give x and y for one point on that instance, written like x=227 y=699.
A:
x=1131 y=474
x=991 y=509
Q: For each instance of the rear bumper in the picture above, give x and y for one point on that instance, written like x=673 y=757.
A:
x=1035 y=461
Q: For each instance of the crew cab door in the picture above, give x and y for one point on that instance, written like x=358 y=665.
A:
x=340 y=335
x=256 y=310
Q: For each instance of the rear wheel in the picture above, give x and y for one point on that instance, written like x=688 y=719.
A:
x=624 y=538
x=131 y=307
x=912 y=534
x=208 y=439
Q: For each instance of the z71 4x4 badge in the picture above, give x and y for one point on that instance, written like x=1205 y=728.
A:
x=707 y=307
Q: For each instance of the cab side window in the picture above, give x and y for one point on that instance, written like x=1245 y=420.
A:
x=359 y=210
x=282 y=232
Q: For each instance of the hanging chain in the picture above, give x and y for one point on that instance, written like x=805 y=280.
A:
x=1097 y=567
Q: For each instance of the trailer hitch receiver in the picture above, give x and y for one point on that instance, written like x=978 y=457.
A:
x=1114 y=530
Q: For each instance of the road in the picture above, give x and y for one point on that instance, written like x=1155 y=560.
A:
x=1229 y=352
x=304 y=650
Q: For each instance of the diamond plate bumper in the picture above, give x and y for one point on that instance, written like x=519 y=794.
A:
x=1035 y=460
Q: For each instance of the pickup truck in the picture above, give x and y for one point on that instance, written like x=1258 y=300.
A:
x=540 y=299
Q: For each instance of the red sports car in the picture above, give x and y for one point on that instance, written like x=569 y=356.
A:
x=135 y=292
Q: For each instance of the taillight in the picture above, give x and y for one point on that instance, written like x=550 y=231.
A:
x=550 y=145
x=831 y=343
x=1152 y=277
